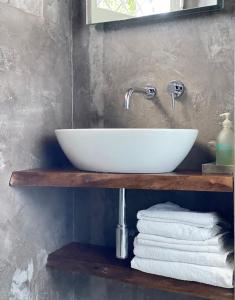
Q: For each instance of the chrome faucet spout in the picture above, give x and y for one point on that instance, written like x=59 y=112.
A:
x=127 y=98
x=149 y=92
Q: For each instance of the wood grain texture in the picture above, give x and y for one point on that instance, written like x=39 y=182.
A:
x=169 y=181
x=101 y=262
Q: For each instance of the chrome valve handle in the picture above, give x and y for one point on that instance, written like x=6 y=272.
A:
x=175 y=89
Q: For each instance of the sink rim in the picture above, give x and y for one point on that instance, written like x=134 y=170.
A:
x=128 y=129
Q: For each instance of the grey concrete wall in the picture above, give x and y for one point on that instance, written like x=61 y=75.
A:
x=110 y=58
x=35 y=99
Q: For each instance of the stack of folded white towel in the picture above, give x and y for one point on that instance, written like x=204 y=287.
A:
x=178 y=243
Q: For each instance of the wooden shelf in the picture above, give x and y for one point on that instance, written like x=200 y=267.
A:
x=170 y=181
x=101 y=261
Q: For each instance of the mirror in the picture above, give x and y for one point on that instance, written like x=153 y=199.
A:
x=100 y=11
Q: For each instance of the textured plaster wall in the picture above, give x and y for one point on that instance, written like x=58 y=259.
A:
x=35 y=99
x=32 y=7
x=199 y=50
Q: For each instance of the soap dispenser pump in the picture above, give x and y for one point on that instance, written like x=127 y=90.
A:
x=225 y=143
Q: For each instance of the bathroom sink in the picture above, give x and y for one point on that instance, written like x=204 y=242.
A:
x=126 y=150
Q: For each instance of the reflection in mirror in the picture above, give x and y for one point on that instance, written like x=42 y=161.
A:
x=99 y=11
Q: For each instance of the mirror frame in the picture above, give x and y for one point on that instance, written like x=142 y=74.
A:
x=212 y=8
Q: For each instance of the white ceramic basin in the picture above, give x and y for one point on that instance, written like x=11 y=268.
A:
x=126 y=150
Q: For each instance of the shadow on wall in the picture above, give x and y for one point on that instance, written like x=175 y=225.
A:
x=95 y=288
x=52 y=155
x=198 y=155
x=97 y=216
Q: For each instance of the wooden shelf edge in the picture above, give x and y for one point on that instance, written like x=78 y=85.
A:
x=183 y=181
x=100 y=261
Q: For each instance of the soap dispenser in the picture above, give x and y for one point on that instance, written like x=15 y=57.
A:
x=225 y=143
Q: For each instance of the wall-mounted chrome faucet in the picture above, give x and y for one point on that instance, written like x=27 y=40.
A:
x=175 y=89
x=149 y=91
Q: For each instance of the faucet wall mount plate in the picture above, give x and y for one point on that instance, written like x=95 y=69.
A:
x=176 y=90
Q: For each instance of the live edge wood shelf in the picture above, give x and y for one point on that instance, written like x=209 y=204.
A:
x=170 y=181
x=101 y=261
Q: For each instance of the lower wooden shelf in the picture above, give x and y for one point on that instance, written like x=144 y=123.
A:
x=100 y=261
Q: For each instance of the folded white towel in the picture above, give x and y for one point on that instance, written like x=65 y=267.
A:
x=221 y=239
x=187 y=247
x=177 y=230
x=199 y=258
x=173 y=213
x=222 y=277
